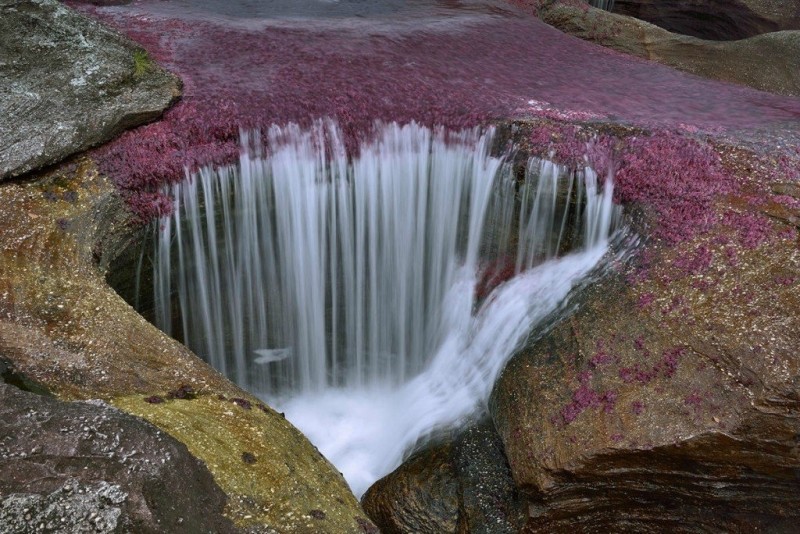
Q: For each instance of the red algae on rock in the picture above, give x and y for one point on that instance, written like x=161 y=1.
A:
x=676 y=177
x=453 y=67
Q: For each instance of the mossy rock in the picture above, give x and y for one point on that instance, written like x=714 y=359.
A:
x=63 y=330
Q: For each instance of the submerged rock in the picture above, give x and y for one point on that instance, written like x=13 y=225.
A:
x=68 y=84
x=769 y=62
x=87 y=467
x=420 y=496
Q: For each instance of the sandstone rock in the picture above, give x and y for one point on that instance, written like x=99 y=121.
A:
x=715 y=19
x=68 y=84
x=461 y=486
x=65 y=331
x=770 y=62
x=419 y=496
x=87 y=467
x=669 y=402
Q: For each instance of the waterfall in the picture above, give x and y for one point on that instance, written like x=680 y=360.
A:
x=608 y=5
x=382 y=292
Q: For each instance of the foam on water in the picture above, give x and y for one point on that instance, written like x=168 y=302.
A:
x=367 y=431
x=374 y=300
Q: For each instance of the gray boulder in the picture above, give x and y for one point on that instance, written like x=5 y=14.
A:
x=68 y=83
x=71 y=467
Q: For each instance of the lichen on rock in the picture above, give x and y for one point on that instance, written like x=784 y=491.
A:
x=87 y=467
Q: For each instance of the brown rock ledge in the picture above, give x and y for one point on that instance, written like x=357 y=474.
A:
x=670 y=401
x=769 y=62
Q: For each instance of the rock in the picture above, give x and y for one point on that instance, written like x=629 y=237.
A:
x=63 y=330
x=670 y=400
x=419 y=496
x=717 y=20
x=462 y=486
x=69 y=84
x=488 y=499
x=741 y=61
x=87 y=467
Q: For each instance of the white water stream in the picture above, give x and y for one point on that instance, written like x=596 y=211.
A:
x=374 y=301
x=607 y=5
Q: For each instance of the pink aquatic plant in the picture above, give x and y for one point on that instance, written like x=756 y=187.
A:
x=678 y=178
x=245 y=76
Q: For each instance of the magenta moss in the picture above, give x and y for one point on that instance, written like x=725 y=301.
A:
x=245 y=77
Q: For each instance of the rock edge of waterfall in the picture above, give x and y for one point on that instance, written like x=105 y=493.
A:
x=668 y=400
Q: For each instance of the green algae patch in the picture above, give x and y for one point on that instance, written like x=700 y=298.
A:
x=141 y=63
x=273 y=476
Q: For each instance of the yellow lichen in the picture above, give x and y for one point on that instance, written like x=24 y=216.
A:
x=240 y=447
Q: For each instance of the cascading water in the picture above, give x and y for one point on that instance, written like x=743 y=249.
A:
x=377 y=300
x=608 y=5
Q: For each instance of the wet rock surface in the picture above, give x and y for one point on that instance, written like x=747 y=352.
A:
x=462 y=485
x=488 y=499
x=69 y=83
x=63 y=330
x=87 y=467
x=669 y=400
x=715 y=19
x=739 y=61
x=420 y=496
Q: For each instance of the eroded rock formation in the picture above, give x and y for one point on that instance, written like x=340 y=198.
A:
x=670 y=399
x=741 y=61
x=718 y=20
